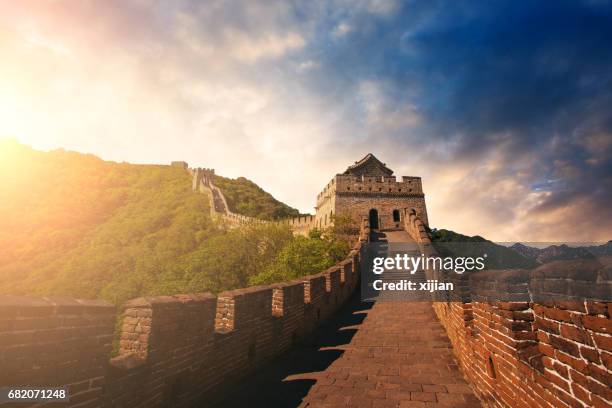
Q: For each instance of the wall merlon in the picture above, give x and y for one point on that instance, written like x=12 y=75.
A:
x=314 y=287
x=246 y=305
x=346 y=269
x=286 y=297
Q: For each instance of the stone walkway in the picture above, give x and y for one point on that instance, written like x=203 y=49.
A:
x=383 y=354
x=399 y=357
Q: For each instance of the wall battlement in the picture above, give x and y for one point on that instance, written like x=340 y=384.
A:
x=173 y=350
x=369 y=185
x=529 y=338
x=536 y=353
x=416 y=228
x=202 y=177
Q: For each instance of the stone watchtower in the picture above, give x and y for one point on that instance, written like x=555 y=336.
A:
x=369 y=189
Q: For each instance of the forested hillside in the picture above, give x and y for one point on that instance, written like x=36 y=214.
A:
x=247 y=198
x=75 y=225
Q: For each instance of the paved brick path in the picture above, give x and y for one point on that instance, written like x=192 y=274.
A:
x=399 y=357
x=387 y=354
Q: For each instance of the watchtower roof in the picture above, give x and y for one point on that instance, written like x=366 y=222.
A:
x=369 y=166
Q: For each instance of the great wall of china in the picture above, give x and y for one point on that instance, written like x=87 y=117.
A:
x=203 y=181
x=175 y=350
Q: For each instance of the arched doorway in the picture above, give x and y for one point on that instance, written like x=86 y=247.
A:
x=373 y=218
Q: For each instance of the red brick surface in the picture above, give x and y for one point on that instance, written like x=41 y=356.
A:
x=399 y=356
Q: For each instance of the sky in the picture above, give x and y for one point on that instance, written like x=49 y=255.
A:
x=504 y=108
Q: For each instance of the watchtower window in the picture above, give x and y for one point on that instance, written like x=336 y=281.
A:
x=396 y=216
x=373 y=216
x=399 y=189
x=348 y=189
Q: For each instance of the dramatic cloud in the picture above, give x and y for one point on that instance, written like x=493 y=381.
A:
x=503 y=108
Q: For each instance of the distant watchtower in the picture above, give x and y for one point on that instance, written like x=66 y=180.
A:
x=369 y=189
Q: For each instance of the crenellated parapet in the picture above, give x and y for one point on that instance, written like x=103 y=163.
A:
x=371 y=186
x=300 y=225
x=203 y=342
x=173 y=350
x=202 y=177
x=536 y=338
x=541 y=337
x=415 y=226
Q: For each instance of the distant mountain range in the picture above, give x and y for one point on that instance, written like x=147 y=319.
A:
x=450 y=243
x=562 y=252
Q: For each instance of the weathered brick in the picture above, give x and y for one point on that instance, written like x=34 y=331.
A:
x=590 y=354
x=603 y=341
x=598 y=324
x=564 y=345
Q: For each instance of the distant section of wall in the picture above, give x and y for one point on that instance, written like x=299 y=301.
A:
x=415 y=227
x=202 y=177
x=181 y=164
x=203 y=181
x=301 y=225
x=173 y=350
x=533 y=338
x=56 y=342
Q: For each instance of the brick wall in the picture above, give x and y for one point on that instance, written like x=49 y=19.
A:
x=529 y=338
x=56 y=342
x=415 y=226
x=173 y=350
x=534 y=338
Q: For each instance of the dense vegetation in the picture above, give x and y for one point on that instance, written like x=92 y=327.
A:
x=308 y=255
x=75 y=225
x=247 y=198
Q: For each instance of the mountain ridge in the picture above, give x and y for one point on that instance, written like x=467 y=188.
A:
x=77 y=225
